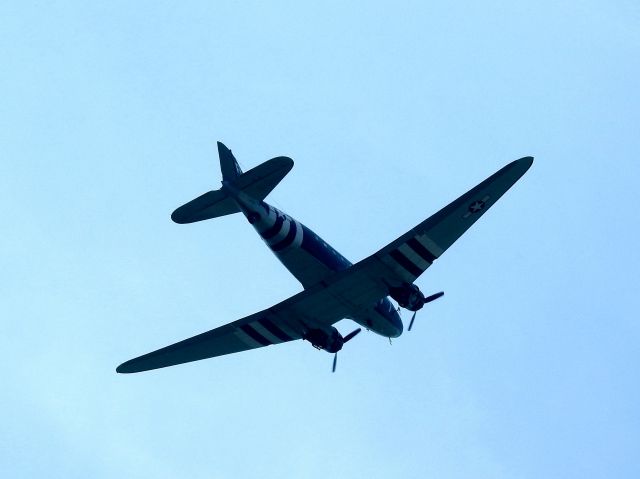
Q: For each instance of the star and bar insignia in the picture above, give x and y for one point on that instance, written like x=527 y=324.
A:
x=476 y=207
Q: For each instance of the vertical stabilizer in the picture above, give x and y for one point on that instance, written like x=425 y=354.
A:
x=228 y=164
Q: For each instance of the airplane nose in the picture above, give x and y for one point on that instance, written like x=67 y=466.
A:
x=397 y=328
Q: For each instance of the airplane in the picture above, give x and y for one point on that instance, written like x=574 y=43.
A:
x=333 y=288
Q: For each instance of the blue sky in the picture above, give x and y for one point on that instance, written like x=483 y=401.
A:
x=109 y=115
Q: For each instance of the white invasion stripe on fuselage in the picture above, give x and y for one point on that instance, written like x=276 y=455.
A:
x=267 y=222
x=286 y=224
x=270 y=219
x=297 y=241
x=305 y=264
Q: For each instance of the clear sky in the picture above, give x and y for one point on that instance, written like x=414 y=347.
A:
x=109 y=114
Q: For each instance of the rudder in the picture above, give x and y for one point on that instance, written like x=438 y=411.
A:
x=228 y=164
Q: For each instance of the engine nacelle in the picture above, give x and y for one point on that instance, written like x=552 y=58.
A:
x=328 y=339
x=408 y=296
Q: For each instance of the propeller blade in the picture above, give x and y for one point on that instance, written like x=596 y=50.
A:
x=412 y=319
x=428 y=299
x=335 y=361
x=433 y=297
x=352 y=334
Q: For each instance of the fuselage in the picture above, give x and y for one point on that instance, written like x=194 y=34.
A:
x=310 y=259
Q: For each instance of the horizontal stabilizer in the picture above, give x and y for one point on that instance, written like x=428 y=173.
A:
x=257 y=183
x=210 y=205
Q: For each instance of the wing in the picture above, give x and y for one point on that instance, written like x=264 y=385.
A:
x=286 y=321
x=251 y=332
x=406 y=258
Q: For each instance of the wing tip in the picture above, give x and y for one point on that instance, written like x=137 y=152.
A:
x=526 y=161
x=520 y=165
x=122 y=369
x=126 y=368
x=178 y=216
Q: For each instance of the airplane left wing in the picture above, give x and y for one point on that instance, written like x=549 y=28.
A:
x=251 y=332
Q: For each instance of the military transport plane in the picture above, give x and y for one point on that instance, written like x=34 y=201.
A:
x=334 y=288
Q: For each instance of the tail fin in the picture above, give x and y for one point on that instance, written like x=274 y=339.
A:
x=258 y=182
x=228 y=164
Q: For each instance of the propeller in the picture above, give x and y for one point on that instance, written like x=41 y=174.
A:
x=413 y=317
x=428 y=299
x=347 y=338
x=351 y=335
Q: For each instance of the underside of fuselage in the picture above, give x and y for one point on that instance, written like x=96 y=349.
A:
x=310 y=259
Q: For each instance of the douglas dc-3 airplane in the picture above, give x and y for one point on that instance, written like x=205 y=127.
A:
x=334 y=289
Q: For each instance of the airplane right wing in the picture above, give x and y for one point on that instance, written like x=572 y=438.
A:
x=406 y=258
x=411 y=254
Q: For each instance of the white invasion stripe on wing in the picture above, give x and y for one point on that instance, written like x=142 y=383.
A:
x=286 y=328
x=263 y=332
x=414 y=257
x=246 y=339
x=398 y=269
x=431 y=245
